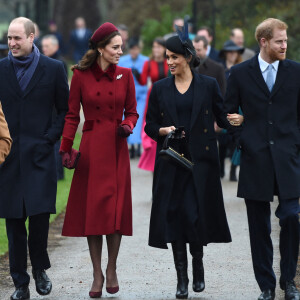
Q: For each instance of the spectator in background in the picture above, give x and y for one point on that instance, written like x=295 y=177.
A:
x=208 y=66
x=52 y=29
x=208 y=34
x=79 y=39
x=237 y=36
x=135 y=61
x=177 y=21
x=50 y=48
x=123 y=30
x=154 y=69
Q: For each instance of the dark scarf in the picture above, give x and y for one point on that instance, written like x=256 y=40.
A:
x=25 y=66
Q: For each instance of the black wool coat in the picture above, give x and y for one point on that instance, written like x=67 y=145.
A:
x=270 y=136
x=28 y=176
x=207 y=105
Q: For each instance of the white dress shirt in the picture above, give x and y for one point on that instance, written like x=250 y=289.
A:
x=264 y=65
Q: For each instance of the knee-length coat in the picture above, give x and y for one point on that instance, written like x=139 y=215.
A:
x=28 y=181
x=207 y=106
x=100 y=196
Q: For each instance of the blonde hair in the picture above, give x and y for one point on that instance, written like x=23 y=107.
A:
x=266 y=28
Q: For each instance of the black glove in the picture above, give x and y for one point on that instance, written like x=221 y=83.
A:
x=136 y=73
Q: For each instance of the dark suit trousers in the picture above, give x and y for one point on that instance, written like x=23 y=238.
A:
x=37 y=245
x=261 y=244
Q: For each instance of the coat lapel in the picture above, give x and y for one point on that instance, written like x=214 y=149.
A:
x=256 y=74
x=39 y=71
x=169 y=100
x=12 y=78
x=199 y=93
x=281 y=76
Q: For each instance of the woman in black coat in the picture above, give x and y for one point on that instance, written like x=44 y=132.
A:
x=187 y=206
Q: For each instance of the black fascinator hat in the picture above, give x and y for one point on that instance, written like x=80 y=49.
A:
x=181 y=43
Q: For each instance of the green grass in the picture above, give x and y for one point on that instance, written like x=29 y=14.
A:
x=63 y=187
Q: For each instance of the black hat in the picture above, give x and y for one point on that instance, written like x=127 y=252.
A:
x=231 y=46
x=175 y=45
x=181 y=43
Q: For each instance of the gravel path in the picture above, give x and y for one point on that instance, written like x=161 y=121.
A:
x=149 y=273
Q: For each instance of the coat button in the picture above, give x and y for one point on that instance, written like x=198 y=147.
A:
x=271 y=122
x=162 y=114
x=206 y=112
x=271 y=142
x=98 y=80
x=110 y=93
x=98 y=107
x=207 y=148
x=98 y=121
x=111 y=107
x=270 y=102
x=205 y=130
x=98 y=93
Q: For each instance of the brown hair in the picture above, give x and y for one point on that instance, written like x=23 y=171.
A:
x=92 y=54
x=266 y=28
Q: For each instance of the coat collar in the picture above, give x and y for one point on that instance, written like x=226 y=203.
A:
x=13 y=81
x=258 y=77
x=98 y=72
x=199 y=94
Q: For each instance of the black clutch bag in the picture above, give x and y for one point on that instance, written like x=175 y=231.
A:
x=171 y=155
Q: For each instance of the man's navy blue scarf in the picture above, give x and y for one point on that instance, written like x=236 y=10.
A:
x=25 y=66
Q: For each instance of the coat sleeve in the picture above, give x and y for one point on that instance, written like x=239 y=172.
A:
x=232 y=103
x=5 y=140
x=72 y=118
x=130 y=113
x=61 y=104
x=144 y=75
x=153 y=117
x=218 y=107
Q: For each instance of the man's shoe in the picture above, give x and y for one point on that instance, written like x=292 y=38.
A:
x=42 y=282
x=267 y=295
x=21 y=293
x=291 y=292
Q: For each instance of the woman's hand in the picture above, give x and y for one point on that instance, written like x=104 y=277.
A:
x=165 y=130
x=235 y=119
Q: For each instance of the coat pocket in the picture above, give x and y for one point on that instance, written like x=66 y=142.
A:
x=88 y=125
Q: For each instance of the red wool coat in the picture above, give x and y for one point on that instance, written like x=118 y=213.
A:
x=100 y=196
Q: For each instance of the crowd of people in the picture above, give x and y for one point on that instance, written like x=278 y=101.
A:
x=180 y=110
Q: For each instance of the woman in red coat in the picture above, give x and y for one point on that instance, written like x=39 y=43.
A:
x=100 y=196
x=155 y=69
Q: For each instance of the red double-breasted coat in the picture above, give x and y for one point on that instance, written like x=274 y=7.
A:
x=100 y=196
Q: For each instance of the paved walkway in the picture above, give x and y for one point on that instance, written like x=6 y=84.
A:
x=149 y=273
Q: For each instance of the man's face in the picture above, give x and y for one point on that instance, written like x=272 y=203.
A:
x=134 y=52
x=48 y=47
x=18 y=42
x=200 y=49
x=204 y=32
x=238 y=38
x=275 y=48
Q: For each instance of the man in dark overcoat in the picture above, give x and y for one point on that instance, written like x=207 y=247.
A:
x=31 y=86
x=267 y=88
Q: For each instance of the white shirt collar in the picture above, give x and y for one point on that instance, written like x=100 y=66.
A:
x=208 y=50
x=264 y=65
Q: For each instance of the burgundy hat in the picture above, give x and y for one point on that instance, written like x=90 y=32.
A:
x=103 y=31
